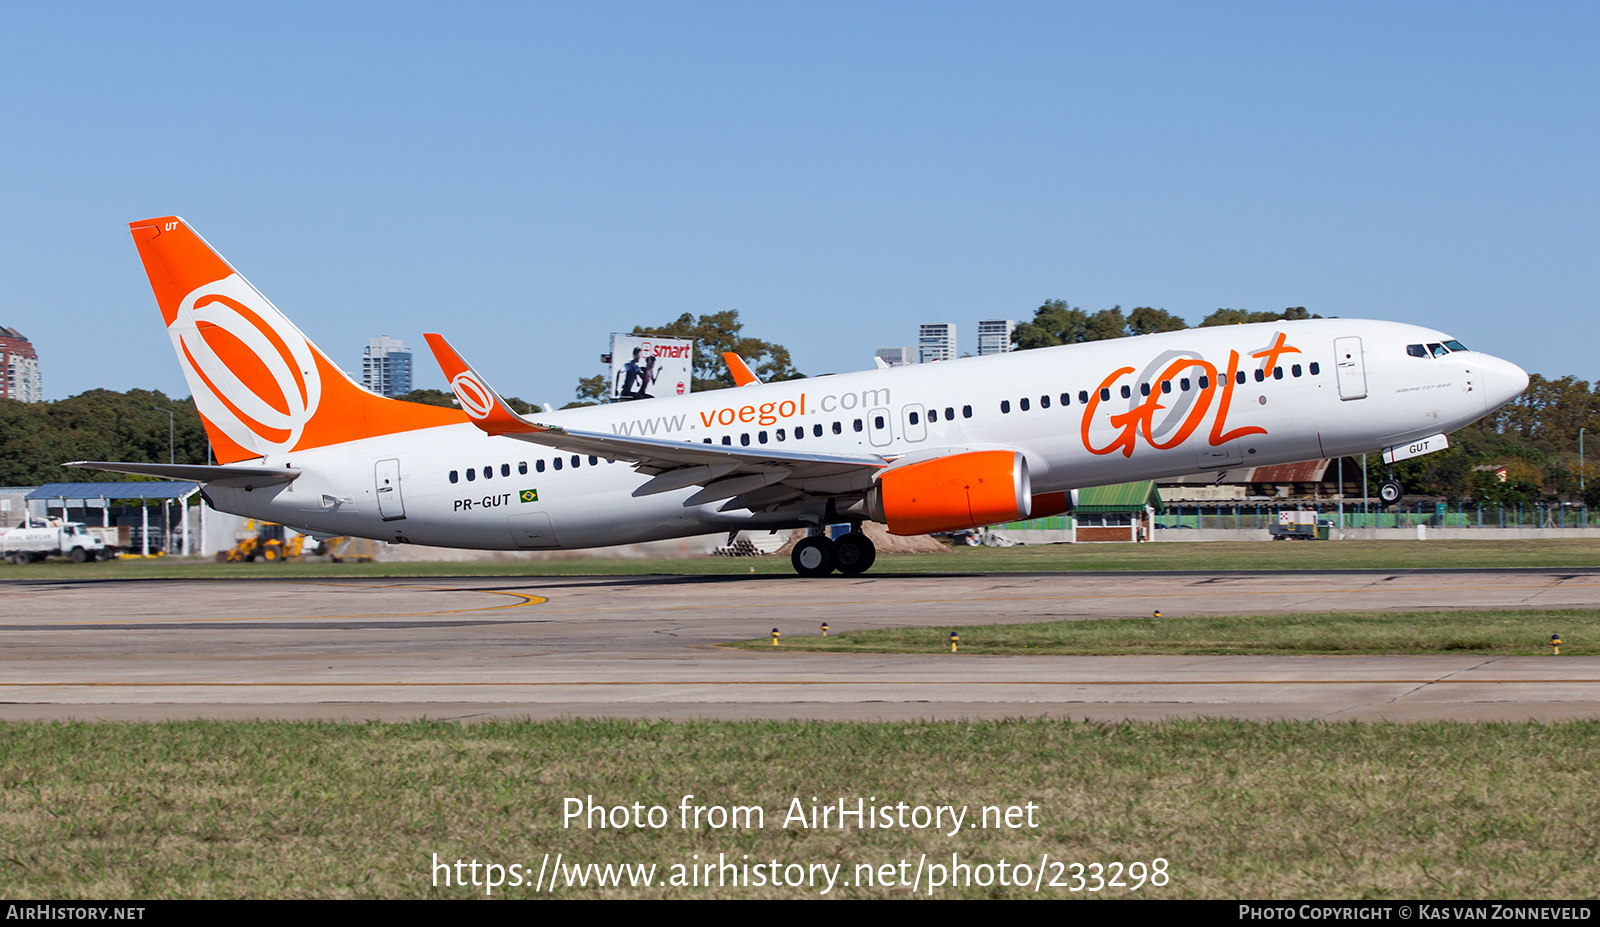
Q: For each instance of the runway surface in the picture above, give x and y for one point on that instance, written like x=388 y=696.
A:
x=645 y=647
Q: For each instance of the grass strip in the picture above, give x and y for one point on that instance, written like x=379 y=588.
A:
x=1282 y=810
x=1501 y=631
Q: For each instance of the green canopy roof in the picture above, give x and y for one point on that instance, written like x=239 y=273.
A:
x=1123 y=497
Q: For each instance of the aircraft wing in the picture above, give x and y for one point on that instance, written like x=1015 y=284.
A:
x=743 y=474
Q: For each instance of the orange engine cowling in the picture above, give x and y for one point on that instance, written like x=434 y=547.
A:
x=952 y=493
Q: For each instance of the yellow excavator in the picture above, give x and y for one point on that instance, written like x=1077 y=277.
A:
x=264 y=541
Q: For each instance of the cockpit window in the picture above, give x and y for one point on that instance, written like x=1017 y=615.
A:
x=1438 y=350
x=1416 y=350
x=1455 y=345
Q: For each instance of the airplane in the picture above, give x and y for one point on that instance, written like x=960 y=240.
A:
x=921 y=448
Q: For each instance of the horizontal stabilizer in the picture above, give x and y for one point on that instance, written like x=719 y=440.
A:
x=198 y=473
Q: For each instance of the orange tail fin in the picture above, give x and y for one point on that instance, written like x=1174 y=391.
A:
x=260 y=385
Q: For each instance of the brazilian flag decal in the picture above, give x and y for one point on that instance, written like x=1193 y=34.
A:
x=530 y=495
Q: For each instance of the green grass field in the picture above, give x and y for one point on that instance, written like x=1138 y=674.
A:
x=1219 y=555
x=1236 y=810
x=1506 y=632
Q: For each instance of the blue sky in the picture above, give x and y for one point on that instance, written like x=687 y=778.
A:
x=528 y=178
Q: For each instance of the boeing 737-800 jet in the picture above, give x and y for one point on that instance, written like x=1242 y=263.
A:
x=925 y=448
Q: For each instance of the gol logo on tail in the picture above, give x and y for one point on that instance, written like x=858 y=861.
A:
x=252 y=372
x=473 y=396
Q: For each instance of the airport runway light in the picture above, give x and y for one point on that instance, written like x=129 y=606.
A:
x=774 y=637
x=1555 y=641
x=824 y=629
x=954 y=638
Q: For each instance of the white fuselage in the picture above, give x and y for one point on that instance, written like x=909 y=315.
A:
x=1366 y=393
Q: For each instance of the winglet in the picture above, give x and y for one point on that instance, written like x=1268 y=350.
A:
x=740 y=370
x=481 y=403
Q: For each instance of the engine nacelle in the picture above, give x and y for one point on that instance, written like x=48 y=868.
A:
x=952 y=493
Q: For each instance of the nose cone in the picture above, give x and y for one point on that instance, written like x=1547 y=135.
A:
x=1503 y=381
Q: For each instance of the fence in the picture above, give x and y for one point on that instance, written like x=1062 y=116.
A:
x=1434 y=515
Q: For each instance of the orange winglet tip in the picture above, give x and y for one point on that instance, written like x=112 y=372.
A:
x=740 y=370
x=479 y=400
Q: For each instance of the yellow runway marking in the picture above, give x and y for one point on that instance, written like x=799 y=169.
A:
x=1175 y=593
x=523 y=598
x=812 y=682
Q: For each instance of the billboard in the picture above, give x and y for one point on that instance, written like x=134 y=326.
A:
x=643 y=367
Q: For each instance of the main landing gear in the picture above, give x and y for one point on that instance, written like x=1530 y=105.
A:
x=851 y=554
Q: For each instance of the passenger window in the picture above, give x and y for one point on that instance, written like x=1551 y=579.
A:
x=761 y=436
x=1126 y=392
x=706 y=441
x=1183 y=384
x=912 y=418
x=1144 y=389
x=455 y=477
x=858 y=424
x=800 y=432
x=594 y=461
x=1083 y=397
x=744 y=439
x=1416 y=350
x=505 y=469
x=816 y=431
x=471 y=474
x=556 y=462
x=1024 y=403
x=1066 y=399
x=1166 y=386
x=1261 y=375
x=782 y=434
x=1238 y=377
x=1295 y=369
x=949 y=414
x=522 y=467
x=966 y=411
x=575 y=460
x=538 y=465
x=1105 y=394
x=1005 y=406
x=1044 y=402
x=488 y=472
x=838 y=428
x=1277 y=373
x=1316 y=368
x=727 y=440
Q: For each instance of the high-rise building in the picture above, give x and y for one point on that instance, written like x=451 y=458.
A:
x=994 y=336
x=936 y=341
x=20 y=366
x=898 y=357
x=386 y=367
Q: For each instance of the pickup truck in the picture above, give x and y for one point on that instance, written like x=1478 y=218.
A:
x=32 y=541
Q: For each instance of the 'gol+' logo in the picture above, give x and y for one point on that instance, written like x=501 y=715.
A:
x=252 y=372
x=474 y=397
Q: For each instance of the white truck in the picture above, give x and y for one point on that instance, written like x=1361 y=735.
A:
x=35 y=540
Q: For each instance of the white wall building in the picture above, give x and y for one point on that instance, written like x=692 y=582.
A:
x=994 y=336
x=936 y=341
x=898 y=357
